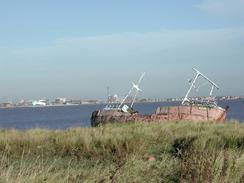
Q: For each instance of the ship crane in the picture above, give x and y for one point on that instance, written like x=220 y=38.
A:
x=187 y=101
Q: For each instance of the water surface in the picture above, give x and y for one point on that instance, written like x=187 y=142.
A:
x=63 y=117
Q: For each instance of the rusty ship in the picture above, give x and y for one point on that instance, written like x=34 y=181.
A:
x=191 y=109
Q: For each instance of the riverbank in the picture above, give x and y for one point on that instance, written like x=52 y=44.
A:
x=165 y=152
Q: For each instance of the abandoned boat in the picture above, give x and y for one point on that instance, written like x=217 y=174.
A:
x=203 y=110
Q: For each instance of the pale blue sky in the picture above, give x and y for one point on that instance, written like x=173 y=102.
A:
x=76 y=48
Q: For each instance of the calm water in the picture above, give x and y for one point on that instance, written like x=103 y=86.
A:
x=79 y=116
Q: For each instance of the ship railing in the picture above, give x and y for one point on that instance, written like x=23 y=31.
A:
x=203 y=102
x=112 y=107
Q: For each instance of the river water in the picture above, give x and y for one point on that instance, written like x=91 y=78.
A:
x=63 y=117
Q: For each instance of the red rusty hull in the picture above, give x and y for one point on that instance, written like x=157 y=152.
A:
x=172 y=113
x=190 y=113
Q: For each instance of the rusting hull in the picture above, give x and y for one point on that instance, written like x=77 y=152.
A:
x=190 y=113
x=111 y=116
x=172 y=113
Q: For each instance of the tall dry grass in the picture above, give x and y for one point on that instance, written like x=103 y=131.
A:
x=181 y=151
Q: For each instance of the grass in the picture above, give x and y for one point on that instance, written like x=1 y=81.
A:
x=181 y=151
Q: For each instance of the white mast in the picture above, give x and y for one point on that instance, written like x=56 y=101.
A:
x=198 y=74
x=137 y=89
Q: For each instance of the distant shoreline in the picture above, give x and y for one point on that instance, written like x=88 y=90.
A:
x=87 y=104
x=65 y=105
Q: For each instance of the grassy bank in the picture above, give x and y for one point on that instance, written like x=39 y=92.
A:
x=156 y=152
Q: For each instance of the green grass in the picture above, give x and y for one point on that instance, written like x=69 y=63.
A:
x=183 y=152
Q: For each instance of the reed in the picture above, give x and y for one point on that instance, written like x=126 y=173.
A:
x=133 y=152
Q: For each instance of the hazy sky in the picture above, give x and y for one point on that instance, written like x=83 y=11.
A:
x=76 y=48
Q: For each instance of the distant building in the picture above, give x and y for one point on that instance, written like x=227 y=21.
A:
x=23 y=103
x=40 y=103
x=89 y=101
x=143 y=100
x=75 y=102
x=6 y=105
x=60 y=101
x=113 y=99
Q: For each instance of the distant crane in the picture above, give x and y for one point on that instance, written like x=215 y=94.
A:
x=108 y=94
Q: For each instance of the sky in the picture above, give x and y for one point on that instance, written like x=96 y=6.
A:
x=77 y=48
